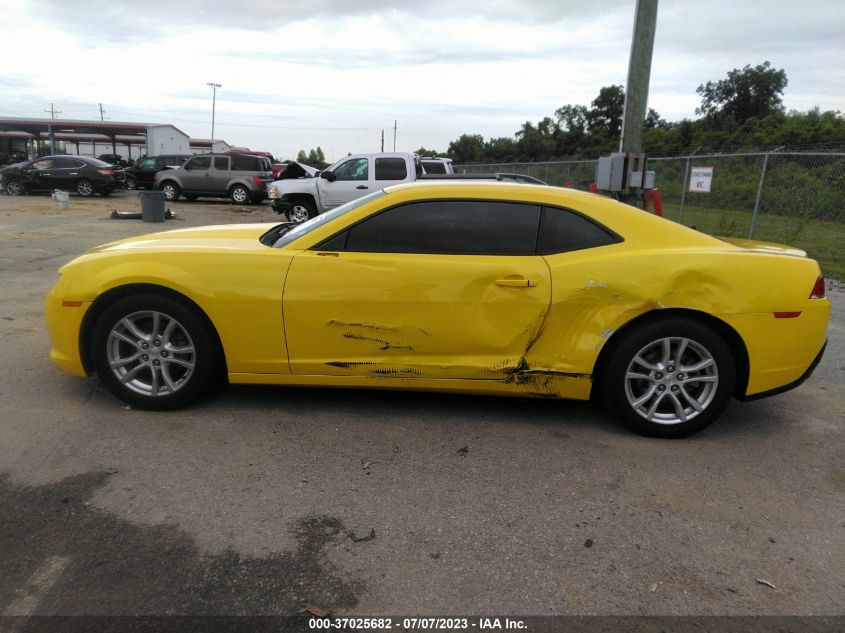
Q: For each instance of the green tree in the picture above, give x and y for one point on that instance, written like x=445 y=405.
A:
x=467 y=148
x=606 y=113
x=302 y=157
x=321 y=157
x=753 y=92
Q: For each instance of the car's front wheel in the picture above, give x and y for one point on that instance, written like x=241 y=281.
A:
x=154 y=352
x=14 y=187
x=669 y=378
x=131 y=183
x=302 y=211
x=171 y=191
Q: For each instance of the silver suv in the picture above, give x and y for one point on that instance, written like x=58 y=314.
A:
x=241 y=177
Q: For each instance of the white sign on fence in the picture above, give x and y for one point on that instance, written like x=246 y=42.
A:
x=700 y=179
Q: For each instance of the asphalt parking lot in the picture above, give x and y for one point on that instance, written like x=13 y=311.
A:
x=262 y=500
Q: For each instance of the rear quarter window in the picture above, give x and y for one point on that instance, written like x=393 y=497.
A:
x=246 y=163
x=562 y=230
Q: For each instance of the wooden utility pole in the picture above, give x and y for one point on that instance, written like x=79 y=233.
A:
x=394 y=135
x=102 y=113
x=639 y=73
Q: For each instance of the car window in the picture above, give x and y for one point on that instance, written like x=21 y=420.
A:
x=147 y=163
x=458 y=227
x=67 y=163
x=353 y=169
x=221 y=163
x=434 y=167
x=42 y=164
x=562 y=231
x=391 y=169
x=199 y=162
x=283 y=234
x=245 y=163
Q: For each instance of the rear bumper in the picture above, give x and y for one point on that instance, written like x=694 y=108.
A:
x=796 y=383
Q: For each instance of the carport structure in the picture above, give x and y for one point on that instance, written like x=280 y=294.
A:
x=108 y=133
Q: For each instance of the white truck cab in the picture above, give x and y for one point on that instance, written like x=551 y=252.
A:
x=351 y=177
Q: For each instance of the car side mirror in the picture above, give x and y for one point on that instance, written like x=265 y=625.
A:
x=328 y=175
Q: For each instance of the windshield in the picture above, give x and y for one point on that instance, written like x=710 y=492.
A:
x=284 y=234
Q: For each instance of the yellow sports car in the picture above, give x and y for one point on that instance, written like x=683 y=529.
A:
x=467 y=286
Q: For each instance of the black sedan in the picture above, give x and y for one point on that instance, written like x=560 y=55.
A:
x=82 y=174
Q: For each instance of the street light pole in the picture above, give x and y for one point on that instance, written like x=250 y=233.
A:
x=214 y=88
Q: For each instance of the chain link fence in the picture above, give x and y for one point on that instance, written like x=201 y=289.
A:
x=790 y=197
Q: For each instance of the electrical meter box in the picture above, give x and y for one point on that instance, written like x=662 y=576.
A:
x=636 y=180
x=610 y=172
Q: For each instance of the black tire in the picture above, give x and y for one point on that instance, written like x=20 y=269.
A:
x=675 y=395
x=14 y=187
x=85 y=188
x=190 y=197
x=131 y=183
x=171 y=190
x=239 y=194
x=163 y=357
x=301 y=208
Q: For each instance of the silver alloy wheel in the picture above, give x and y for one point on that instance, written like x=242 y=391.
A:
x=239 y=194
x=298 y=214
x=84 y=188
x=671 y=380
x=169 y=192
x=14 y=188
x=131 y=184
x=151 y=353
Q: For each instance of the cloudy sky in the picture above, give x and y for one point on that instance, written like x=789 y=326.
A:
x=296 y=74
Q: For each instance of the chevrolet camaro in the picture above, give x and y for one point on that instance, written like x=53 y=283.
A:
x=482 y=287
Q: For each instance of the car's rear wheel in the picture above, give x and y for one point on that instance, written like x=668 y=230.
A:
x=302 y=211
x=131 y=184
x=154 y=352
x=239 y=194
x=84 y=188
x=14 y=188
x=669 y=378
x=171 y=190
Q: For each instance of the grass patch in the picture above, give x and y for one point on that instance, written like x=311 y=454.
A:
x=823 y=241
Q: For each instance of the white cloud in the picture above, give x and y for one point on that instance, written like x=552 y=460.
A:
x=294 y=73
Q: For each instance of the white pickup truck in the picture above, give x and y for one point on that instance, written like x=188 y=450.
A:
x=353 y=176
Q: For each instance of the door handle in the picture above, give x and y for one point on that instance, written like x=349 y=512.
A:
x=362 y=187
x=516 y=283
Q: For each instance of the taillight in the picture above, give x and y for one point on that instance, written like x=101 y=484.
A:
x=106 y=172
x=258 y=180
x=818 y=289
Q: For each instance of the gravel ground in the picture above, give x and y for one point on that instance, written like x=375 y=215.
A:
x=260 y=500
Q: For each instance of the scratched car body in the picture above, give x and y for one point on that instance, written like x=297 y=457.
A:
x=460 y=286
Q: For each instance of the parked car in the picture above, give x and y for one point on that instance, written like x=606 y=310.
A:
x=82 y=174
x=351 y=177
x=241 y=177
x=142 y=175
x=113 y=159
x=467 y=286
x=12 y=157
x=437 y=165
x=276 y=167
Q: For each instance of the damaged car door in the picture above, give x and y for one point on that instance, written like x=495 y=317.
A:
x=433 y=289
